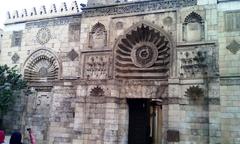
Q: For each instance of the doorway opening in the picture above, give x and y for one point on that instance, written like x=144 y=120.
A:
x=145 y=121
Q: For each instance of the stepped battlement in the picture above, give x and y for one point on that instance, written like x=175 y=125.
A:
x=42 y=13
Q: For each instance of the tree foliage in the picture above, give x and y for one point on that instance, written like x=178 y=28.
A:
x=11 y=82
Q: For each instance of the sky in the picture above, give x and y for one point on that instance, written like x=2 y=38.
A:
x=11 y=5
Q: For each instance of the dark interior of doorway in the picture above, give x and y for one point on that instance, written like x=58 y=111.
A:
x=145 y=122
x=139 y=116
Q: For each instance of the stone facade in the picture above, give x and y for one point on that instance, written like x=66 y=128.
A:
x=127 y=72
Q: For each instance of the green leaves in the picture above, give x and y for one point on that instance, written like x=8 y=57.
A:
x=10 y=83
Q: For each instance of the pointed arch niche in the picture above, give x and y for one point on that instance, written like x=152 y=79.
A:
x=144 y=52
x=41 y=66
x=98 y=36
x=193 y=28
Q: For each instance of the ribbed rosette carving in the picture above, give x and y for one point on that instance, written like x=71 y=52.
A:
x=143 y=53
x=41 y=66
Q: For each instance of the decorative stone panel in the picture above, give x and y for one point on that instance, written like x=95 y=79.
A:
x=143 y=53
x=232 y=20
x=16 y=38
x=98 y=36
x=74 y=32
x=42 y=65
x=15 y=58
x=233 y=47
x=97 y=65
x=197 y=61
x=72 y=55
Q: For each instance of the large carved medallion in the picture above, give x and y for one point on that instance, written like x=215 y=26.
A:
x=43 y=35
x=143 y=53
x=42 y=65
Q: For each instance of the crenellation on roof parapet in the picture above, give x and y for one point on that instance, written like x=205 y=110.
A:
x=42 y=12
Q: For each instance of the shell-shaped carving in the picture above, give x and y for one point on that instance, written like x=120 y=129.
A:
x=97 y=91
x=144 y=53
x=41 y=67
x=194 y=92
x=193 y=17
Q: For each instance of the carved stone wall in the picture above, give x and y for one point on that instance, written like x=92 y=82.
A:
x=146 y=49
x=37 y=114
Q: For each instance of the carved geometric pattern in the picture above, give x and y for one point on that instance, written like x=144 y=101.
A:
x=15 y=58
x=194 y=63
x=144 y=53
x=98 y=36
x=72 y=55
x=42 y=65
x=233 y=47
x=97 y=91
x=97 y=65
x=43 y=36
x=143 y=6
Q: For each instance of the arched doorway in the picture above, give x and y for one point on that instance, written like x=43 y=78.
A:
x=144 y=53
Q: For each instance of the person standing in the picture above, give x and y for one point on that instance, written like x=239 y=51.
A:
x=16 y=138
x=31 y=135
x=2 y=137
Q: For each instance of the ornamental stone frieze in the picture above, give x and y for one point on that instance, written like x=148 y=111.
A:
x=143 y=6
